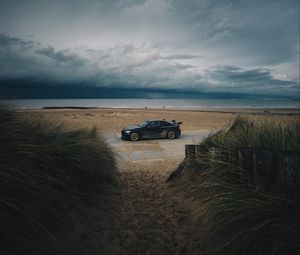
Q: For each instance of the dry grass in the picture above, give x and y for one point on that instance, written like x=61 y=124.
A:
x=45 y=170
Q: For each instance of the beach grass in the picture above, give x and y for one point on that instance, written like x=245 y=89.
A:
x=248 y=210
x=46 y=169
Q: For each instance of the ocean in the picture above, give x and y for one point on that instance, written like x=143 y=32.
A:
x=180 y=104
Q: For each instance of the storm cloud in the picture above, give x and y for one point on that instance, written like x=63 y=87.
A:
x=231 y=46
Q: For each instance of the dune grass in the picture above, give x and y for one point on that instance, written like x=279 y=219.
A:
x=278 y=135
x=45 y=170
x=261 y=218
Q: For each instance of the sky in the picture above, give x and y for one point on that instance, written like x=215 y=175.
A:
x=149 y=48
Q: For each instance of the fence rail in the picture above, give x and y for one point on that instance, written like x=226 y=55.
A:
x=258 y=161
x=279 y=166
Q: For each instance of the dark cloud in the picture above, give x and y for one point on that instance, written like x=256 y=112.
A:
x=128 y=67
x=238 y=46
x=241 y=75
x=30 y=60
x=8 y=43
x=63 y=56
x=253 y=81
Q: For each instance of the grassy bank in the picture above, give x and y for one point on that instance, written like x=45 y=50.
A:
x=45 y=170
x=248 y=209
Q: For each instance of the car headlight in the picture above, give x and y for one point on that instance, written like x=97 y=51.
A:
x=127 y=131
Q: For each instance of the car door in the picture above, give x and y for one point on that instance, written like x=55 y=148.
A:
x=153 y=129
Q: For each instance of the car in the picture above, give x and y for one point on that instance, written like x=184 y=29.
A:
x=158 y=128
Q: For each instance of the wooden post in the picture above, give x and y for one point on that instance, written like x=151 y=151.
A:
x=288 y=169
x=264 y=162
x=190 y=151
x=246 y=159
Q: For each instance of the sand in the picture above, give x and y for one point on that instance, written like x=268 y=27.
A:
x=144 y=215
x=113 y=120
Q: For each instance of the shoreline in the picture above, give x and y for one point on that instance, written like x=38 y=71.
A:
x=199 y=105
x=236 y=110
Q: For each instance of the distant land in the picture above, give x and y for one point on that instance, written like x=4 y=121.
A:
x=92 y=92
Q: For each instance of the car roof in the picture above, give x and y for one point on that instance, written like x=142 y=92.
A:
x=158 y=120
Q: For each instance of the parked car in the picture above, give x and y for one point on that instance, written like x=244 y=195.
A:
x=159 y=128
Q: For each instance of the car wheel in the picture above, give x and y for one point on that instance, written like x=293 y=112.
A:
x=134 y=136
x=171 y=135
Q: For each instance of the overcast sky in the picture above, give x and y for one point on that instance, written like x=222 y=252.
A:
x=203 y=46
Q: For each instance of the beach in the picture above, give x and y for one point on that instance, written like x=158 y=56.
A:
x=145 y=215
x=195 y=126
x=112 y=120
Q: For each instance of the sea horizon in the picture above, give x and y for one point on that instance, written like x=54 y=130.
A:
x=175 y=104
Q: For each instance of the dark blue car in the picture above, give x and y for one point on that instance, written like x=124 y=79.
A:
x=152 y=129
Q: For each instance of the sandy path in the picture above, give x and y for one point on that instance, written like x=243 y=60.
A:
x=144 y=216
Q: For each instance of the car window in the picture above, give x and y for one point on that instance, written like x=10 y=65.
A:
x=144 y=124
x=154 y=124
x=165 y=124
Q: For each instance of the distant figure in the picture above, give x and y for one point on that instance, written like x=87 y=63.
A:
x=164 y=107
x=146 y=107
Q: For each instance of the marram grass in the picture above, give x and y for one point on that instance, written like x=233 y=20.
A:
x=261 y=218
x=45 y=169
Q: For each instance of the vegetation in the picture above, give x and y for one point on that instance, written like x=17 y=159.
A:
x=280 y=135
x=249 y=210
x=45 y=169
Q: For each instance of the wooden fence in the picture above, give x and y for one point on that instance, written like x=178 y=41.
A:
x=278 y=165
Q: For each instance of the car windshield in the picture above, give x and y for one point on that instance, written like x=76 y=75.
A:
x=144 y=124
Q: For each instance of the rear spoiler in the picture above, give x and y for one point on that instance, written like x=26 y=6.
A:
x=178 y=123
